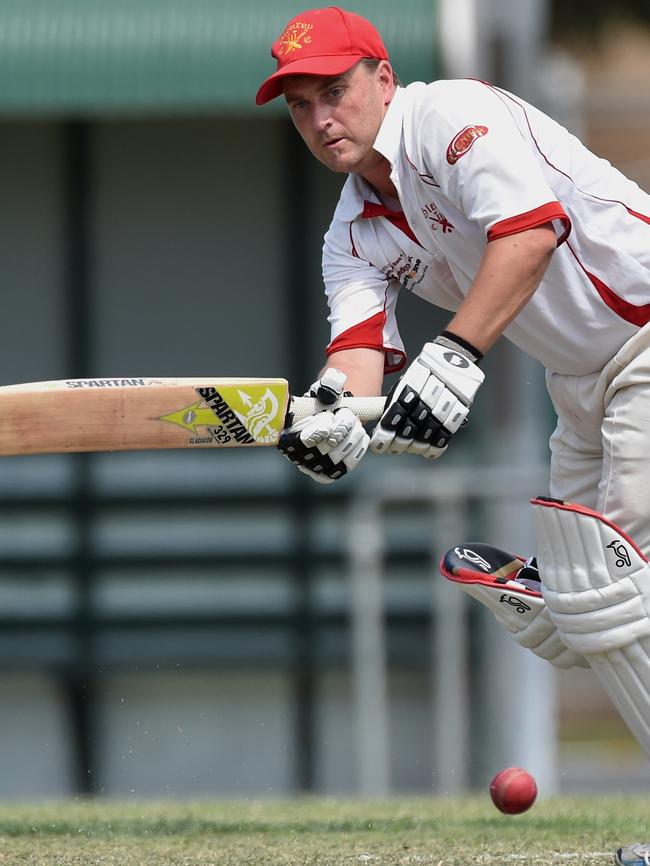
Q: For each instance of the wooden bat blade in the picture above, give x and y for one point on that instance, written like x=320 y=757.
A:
x=141 y=413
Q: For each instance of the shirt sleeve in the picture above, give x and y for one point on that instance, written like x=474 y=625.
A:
x=361 y=300
x=475 y=141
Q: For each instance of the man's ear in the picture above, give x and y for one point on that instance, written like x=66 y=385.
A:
x=386 y=78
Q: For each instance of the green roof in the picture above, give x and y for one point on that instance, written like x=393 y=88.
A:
x=94 y=57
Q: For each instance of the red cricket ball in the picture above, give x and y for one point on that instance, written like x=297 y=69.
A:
x=513 y=790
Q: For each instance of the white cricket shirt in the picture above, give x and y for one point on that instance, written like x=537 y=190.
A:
x=472 y=163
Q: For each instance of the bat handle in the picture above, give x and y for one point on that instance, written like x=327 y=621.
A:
x=365 y=408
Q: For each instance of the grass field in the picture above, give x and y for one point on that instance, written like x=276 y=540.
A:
x=320 y=831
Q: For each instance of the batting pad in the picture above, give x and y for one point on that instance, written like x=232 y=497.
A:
x=596 y=584
x=489 y=575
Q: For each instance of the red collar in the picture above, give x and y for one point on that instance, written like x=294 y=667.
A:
x=373 y=209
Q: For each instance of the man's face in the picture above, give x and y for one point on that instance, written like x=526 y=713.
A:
x=339 y=117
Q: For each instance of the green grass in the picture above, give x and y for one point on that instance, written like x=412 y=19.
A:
x=322 y=832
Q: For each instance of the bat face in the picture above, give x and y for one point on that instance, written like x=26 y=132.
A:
x=133 y=414
x=233 y=415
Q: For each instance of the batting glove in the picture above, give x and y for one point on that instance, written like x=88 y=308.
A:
x=430 y=402
x=329 y=444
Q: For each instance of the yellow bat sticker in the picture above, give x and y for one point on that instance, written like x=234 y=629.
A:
x=235 y=415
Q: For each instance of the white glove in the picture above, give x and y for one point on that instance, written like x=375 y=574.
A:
x=330 y=443
x=430 y=402
x=328 y=390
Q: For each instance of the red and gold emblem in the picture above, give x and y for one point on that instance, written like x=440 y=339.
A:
x=296 y=33
x=462 y=142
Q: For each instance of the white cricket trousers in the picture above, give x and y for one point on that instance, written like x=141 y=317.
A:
x=600 y=449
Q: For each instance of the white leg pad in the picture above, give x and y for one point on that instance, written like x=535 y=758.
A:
x=596 y=584
x=526 y=618
x=489 y=575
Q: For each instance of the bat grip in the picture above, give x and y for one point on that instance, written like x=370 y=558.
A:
x=365 y=408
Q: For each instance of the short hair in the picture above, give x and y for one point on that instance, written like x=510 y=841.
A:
x=372 y=63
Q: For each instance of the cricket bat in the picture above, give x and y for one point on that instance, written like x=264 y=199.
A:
x=141 y=414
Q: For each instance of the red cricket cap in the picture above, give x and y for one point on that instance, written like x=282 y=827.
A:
x=321 y=42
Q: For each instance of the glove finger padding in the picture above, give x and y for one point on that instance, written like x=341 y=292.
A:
x=410 y=424
x=328 y=390
x=429 y=403
x=347 y=438
x=325 y=446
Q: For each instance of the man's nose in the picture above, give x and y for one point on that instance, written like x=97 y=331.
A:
x=321 y=117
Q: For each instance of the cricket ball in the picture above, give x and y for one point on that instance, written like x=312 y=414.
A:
x=513 y=790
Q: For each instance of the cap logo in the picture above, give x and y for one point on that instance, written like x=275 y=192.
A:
x=295 y=33
x=462 y=142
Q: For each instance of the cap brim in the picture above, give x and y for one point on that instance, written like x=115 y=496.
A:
x=327 y=65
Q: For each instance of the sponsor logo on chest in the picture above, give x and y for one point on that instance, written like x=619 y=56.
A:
x=407 y=270
x=436 y=219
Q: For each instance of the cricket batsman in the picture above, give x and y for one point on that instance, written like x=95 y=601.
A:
x=476 y=201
